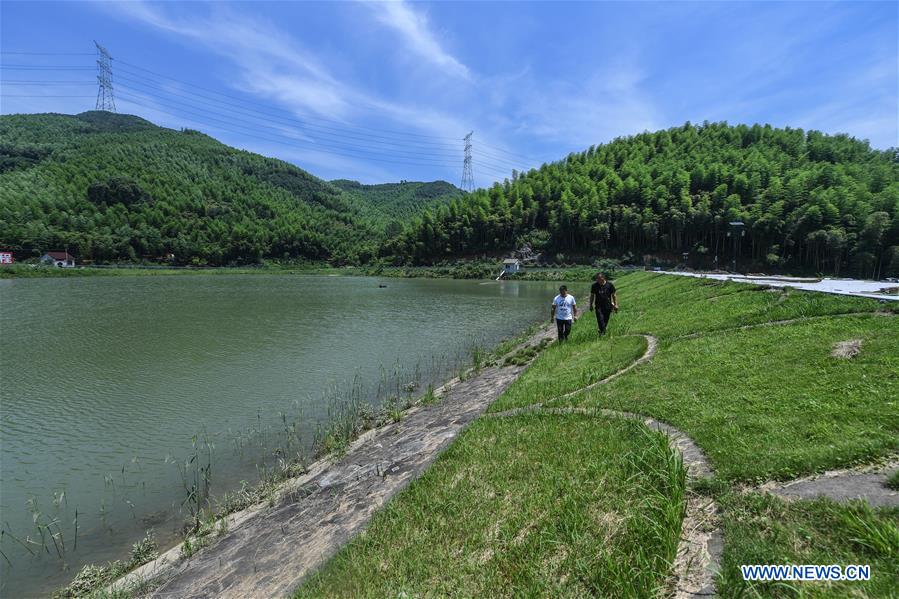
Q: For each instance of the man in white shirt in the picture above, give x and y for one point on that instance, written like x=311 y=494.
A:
x=564 y=312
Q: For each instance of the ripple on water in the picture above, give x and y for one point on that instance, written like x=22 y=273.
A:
x=100 y=371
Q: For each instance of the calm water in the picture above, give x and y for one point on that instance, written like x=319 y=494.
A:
x=105 y=383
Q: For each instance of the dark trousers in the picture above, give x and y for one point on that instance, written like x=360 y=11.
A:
x=603 y=314
x=564 y=328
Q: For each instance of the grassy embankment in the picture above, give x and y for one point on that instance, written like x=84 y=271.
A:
x=572 y=505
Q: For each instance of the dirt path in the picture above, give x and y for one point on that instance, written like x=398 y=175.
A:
x=267 y=551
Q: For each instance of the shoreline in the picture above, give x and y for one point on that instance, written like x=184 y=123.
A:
x=333 y=442
x=460 y=270
x=376 y=465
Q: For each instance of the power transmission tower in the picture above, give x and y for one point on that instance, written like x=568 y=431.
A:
x=105 y=98
x=467 y=176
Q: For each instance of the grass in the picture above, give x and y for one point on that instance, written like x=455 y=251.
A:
x=773 y=391
x=91 y=579
x=669 y=306
x=569 y=366
x=548 y=506
x=527 y=352
x=893 y=481
x=764 y=402
x=763 y=529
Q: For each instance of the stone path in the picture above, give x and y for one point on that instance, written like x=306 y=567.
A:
x=865 y=484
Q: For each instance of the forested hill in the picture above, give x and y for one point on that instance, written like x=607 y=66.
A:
x=810 y=202
x=116 y=187
x=392 y=203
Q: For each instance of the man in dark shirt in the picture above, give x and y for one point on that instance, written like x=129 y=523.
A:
x=604 y=299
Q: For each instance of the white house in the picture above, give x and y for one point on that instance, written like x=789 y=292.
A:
x=60 y=259
x=511 y=265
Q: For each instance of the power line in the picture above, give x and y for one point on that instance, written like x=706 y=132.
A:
x=435 y=159
x=254 y=126
x=39 y=96
x=45 y=82
x=305 y=121
x=431 y=153
x=105 y=96
x=499 y=161
x=404 y=133
x=48 y=53
x=31 y=67
x=504 y=151
x=194 y=103
x=387 y=140
x=324 y=129
x=338 y=142
x=292 y=142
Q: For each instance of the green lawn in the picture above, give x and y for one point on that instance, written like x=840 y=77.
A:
x=531 y=505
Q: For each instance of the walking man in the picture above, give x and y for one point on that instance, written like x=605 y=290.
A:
x=564 y=311
x=604 y=299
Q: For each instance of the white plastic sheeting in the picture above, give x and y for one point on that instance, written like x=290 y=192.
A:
x=875 y=289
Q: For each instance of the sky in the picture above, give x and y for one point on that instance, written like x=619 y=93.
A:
x=385 y=91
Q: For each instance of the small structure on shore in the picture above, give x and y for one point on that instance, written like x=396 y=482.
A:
x=60 y=259
x=511 y=265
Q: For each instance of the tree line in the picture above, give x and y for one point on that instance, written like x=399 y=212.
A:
x=809 y=201
x=112 y=187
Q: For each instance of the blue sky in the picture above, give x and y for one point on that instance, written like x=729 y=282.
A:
x=385 y=91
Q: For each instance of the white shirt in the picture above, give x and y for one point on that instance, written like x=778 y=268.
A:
x=564 y=306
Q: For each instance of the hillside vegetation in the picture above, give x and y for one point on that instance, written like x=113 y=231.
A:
x=389 y=204
x=116 y=187
x=810 y=202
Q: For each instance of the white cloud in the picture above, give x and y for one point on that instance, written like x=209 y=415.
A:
x=271 y=62
x=414 y=29
x=604 y=106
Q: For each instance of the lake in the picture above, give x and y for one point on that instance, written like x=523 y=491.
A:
x=107 y=385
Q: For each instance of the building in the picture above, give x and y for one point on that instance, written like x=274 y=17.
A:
x=60 y=259
x=511 y=265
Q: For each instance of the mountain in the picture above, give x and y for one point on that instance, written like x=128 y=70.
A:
x=809 y=201
x=388 y=202
x=117 y=187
